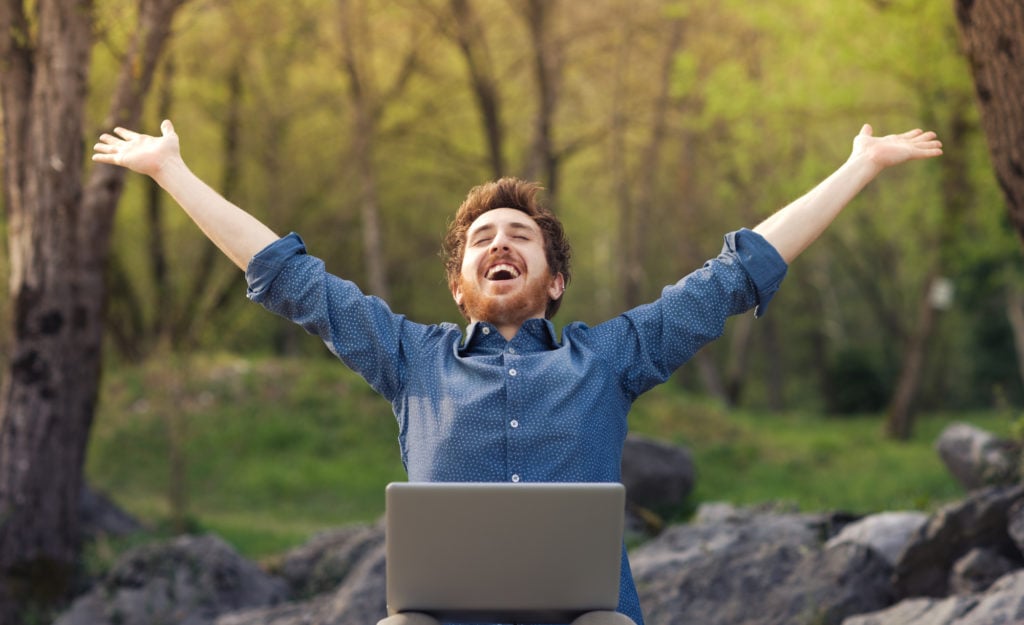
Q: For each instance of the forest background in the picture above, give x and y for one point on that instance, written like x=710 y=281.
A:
x=655 y=126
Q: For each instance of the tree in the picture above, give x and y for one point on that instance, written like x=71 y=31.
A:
x=58 y=237
x=992 y=35
x=368 y=102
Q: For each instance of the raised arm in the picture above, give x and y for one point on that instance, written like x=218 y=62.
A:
x=237 y=233
x=795 y=227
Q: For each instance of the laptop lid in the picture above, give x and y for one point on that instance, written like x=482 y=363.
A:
x=498 y=552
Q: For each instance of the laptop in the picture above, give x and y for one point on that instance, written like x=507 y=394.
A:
x=501 y=553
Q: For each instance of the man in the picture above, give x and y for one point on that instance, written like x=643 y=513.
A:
x=507 y=400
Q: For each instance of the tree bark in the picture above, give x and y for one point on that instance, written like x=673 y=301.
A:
x=992 y=35
x=58 y=236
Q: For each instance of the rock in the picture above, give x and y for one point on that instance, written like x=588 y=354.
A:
x=747 y=568
x=361 y=600
x=887 y=533
x=1003 y=603
x=977 y=458
x=1015 y=524
x=102 y=517
x=311 y=612
x=656 y=474
x=322 y=564
x=977 y=570
x=981 y=520
x=186 y=581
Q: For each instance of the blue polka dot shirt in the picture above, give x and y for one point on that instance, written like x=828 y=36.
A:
x=473 y=407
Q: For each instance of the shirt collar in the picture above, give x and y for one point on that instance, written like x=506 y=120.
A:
x=534 y=335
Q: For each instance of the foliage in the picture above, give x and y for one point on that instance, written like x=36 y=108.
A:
x=762 y=103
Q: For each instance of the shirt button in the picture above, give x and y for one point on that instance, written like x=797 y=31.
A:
x=514 y=423
x=511 y=350
x=515 y=478
x=486 y=330
x=512 y=372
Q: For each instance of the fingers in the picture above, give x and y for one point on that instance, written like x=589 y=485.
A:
x=166 y=127
x=866 y=130
x=126 y=134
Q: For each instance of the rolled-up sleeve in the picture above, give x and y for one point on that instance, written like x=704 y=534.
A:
x=762 y=262
x=267 y=263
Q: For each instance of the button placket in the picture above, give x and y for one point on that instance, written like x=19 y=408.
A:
x=514 y=407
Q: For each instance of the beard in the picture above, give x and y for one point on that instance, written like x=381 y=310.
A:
x=499 y=310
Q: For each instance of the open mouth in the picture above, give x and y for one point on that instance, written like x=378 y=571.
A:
x=502 y=271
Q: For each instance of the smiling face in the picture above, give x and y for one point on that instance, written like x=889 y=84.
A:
x=505 y=278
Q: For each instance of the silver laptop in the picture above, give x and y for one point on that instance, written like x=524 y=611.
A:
x=497 y=552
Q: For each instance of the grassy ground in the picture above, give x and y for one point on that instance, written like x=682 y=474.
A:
x=266 y=452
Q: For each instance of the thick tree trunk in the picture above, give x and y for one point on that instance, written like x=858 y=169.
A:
x=992 y=32
x=58 y=238
x=49 y=391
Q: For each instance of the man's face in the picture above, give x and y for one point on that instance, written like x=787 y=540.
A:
x=505 y=277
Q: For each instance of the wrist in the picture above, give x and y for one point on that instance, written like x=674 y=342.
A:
x=167 y=170
x=864 y=165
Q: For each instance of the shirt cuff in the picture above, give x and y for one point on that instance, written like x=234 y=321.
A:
x=268 y=262
x=762 y=262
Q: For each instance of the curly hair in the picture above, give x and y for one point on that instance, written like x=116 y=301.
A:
x=507 y=193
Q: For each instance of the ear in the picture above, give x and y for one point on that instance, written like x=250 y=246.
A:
x=557 y=286
x=457 y=294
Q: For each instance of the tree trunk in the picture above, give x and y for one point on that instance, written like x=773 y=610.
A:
x=957 y=195
x=992 y=34
x=368 y=102
x=899 y=420
x=58 y=237
x=1015 y=315
x=541 y=160
x=50 y=388
x=470 y=38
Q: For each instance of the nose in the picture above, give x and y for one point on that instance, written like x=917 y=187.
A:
x=500 y=241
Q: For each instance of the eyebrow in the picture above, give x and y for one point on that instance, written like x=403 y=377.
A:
x=514 y=225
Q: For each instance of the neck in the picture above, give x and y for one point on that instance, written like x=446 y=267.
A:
x=507 y=329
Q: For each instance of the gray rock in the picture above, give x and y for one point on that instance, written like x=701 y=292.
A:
x=1002 y=604
x=977 y=570
x=981 y=520
x=100 y=516
x=322 y=564
x=757 y=568
x=918 y=612
x=656 y=474
x=186 y=581
x=887 y=533
x=1015 y=524
x=977 y=458
x=361 y=600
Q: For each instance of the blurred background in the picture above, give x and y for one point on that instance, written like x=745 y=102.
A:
x=655 y=126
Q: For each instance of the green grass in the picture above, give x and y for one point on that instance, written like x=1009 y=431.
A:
x=270 y=451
